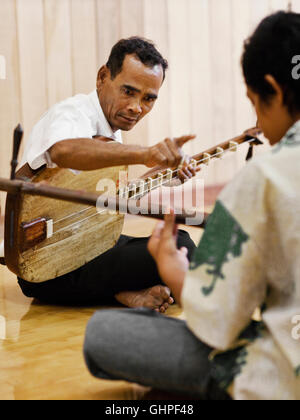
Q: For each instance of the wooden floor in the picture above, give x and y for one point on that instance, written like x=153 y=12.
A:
x=41 y=346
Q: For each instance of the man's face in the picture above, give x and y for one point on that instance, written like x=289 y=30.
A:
x=131 y=95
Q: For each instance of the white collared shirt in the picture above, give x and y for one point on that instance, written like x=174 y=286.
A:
x=78 y=117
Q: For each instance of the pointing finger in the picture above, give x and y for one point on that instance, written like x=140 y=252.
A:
x=180 y=141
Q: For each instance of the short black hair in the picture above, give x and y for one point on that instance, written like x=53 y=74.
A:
x=270 y=50
x=144 y=49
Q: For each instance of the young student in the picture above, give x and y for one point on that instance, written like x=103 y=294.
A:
x=248 y=258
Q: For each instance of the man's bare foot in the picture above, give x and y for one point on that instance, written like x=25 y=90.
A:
x=157 y=298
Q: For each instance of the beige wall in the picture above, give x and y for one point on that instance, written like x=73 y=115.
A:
x=53 y=49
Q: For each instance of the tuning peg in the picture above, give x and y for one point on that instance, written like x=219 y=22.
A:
x=18 y=134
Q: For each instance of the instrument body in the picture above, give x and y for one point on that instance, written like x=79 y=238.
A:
x=78 y=233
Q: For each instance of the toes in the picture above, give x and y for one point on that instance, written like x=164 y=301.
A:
x=165 y=293
x=164 y=307
x=160 y=291
x=158 y=298
x=170 y=300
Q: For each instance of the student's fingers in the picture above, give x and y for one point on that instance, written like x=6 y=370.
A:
x=170 y=227
x=158 y=229
x=153 y=243
x=184 y=251
x=169 y=234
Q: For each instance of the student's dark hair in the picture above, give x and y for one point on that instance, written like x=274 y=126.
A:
x=145 y=51
x=270 y=50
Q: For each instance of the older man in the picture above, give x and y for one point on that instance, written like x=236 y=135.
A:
x=68 y=136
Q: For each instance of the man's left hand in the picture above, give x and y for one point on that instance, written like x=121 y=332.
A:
x=186 y=170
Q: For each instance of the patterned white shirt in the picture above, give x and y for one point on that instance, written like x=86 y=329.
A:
x=248 y=258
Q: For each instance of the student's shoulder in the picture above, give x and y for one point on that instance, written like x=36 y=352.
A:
x=278 y=162
x=248 y=183
x=281 y=159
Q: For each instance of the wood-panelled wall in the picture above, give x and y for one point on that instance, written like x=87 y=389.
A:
x=53 y=49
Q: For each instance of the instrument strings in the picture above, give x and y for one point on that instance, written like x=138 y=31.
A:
x=138 y=195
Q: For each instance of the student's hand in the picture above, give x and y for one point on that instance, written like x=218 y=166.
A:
x=166 y=154
x=172 y=263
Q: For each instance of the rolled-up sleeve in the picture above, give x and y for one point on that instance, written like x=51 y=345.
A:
x=59 y=124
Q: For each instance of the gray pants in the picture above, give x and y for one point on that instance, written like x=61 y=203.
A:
x=145 y=347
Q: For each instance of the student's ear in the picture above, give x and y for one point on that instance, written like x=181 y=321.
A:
x=103 y=74
x=279 y=95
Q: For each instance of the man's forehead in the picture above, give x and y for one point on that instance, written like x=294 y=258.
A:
x=133 y=67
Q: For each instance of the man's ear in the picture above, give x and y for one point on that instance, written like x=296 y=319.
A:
x=276 y=87
x=103 y=74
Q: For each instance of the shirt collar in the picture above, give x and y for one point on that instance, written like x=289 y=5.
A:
x=293 y=131
x=102 y=126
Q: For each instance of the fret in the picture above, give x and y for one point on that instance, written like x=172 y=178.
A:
x=150 y=183
x=160 y=178
x=141 y=187
x=219 y=152
x=193 y=162
x=206 y=158
x=169 y=174
x=133 y=189
x=233 y=146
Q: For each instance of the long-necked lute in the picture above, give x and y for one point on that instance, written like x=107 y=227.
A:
x=52 y=220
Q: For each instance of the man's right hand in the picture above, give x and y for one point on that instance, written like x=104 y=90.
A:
x=85 y=154
x=167 y=154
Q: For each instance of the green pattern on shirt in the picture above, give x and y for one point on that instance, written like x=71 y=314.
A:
x=297 y=371
x=223 y=236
